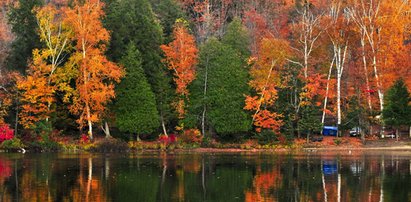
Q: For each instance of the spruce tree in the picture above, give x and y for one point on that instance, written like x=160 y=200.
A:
x=135 y=105
x=237 y=37
x=167 y=11
x=397 y=108
x=218 y=92
x=133 y=21
x=24 y=26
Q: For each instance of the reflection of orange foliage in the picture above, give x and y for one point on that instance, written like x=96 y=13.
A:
x=89 y=188
x=263 y=185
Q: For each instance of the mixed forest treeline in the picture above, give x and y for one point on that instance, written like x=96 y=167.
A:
x=272 y=69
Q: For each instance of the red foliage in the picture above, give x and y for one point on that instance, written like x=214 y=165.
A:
x=6 y=133
x=5 y=169
x=84 y=139
x=172 y=138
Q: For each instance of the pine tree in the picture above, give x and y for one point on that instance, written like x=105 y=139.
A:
x=397 y=108
x=135 y=105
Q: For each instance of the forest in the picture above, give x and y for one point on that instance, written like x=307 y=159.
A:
x=203 y=70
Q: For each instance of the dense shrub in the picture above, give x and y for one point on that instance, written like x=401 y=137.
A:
x=6 y=133
x=44 y=143
x=109 y=145
x=14 y=143
x=266 y=137
x=191 y=136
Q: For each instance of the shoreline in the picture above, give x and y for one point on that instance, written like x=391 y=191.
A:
x=232 y=150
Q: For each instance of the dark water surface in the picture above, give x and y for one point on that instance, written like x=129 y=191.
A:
x=311 y=176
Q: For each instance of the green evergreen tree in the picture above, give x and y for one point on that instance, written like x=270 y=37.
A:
x=310 y=122
x=217 y=97
x=135 y=105
x=133 y=21
x=167 y=11
x=237 y=37
x=24 y=26
x=397 y=108
x=356 y=116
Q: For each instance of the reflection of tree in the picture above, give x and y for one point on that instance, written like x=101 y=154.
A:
x=5 y=169
x=5 y=173
x=263 y=184
x=89 y=187
x=204 y=177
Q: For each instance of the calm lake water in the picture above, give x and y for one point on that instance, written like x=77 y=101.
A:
x=311 y=176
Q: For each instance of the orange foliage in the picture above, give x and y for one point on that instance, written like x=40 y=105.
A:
x=95 y=73
x=181 y=57
x=310 y=90
x=37 y=94
x=265 y=80
x=8 y=91
x=42 y=79
x=263 y=184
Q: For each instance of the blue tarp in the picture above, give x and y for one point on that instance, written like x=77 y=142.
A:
x=330 y=131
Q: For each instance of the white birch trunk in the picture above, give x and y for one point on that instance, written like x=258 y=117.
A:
x=326 y=90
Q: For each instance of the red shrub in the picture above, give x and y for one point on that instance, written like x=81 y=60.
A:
x=84 y=139
x=6 y=133
x=172 y=138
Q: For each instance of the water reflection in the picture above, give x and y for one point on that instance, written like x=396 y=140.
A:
x=206 y=177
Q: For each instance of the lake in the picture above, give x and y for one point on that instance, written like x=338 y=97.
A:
x=242 y=176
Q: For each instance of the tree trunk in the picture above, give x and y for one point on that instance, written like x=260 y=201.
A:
x=106 y=129
x=163 y=125
x=16 y=123
x=326 y=91
x=308 y=137
x=90 y=125
x=397 y=134
x=204 y=97
x=367 y=82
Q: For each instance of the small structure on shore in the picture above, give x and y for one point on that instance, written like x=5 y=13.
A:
x=330 y=131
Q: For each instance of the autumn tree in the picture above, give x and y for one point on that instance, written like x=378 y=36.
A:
x=339 y=34
x=8 y=93
x=43 y=79
x=6 y=35
x=7 y=78
x=96 y=74
x=135 y=104
x=307 y=29
x=181 y=58
x=397 y=108
x=264 y=81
